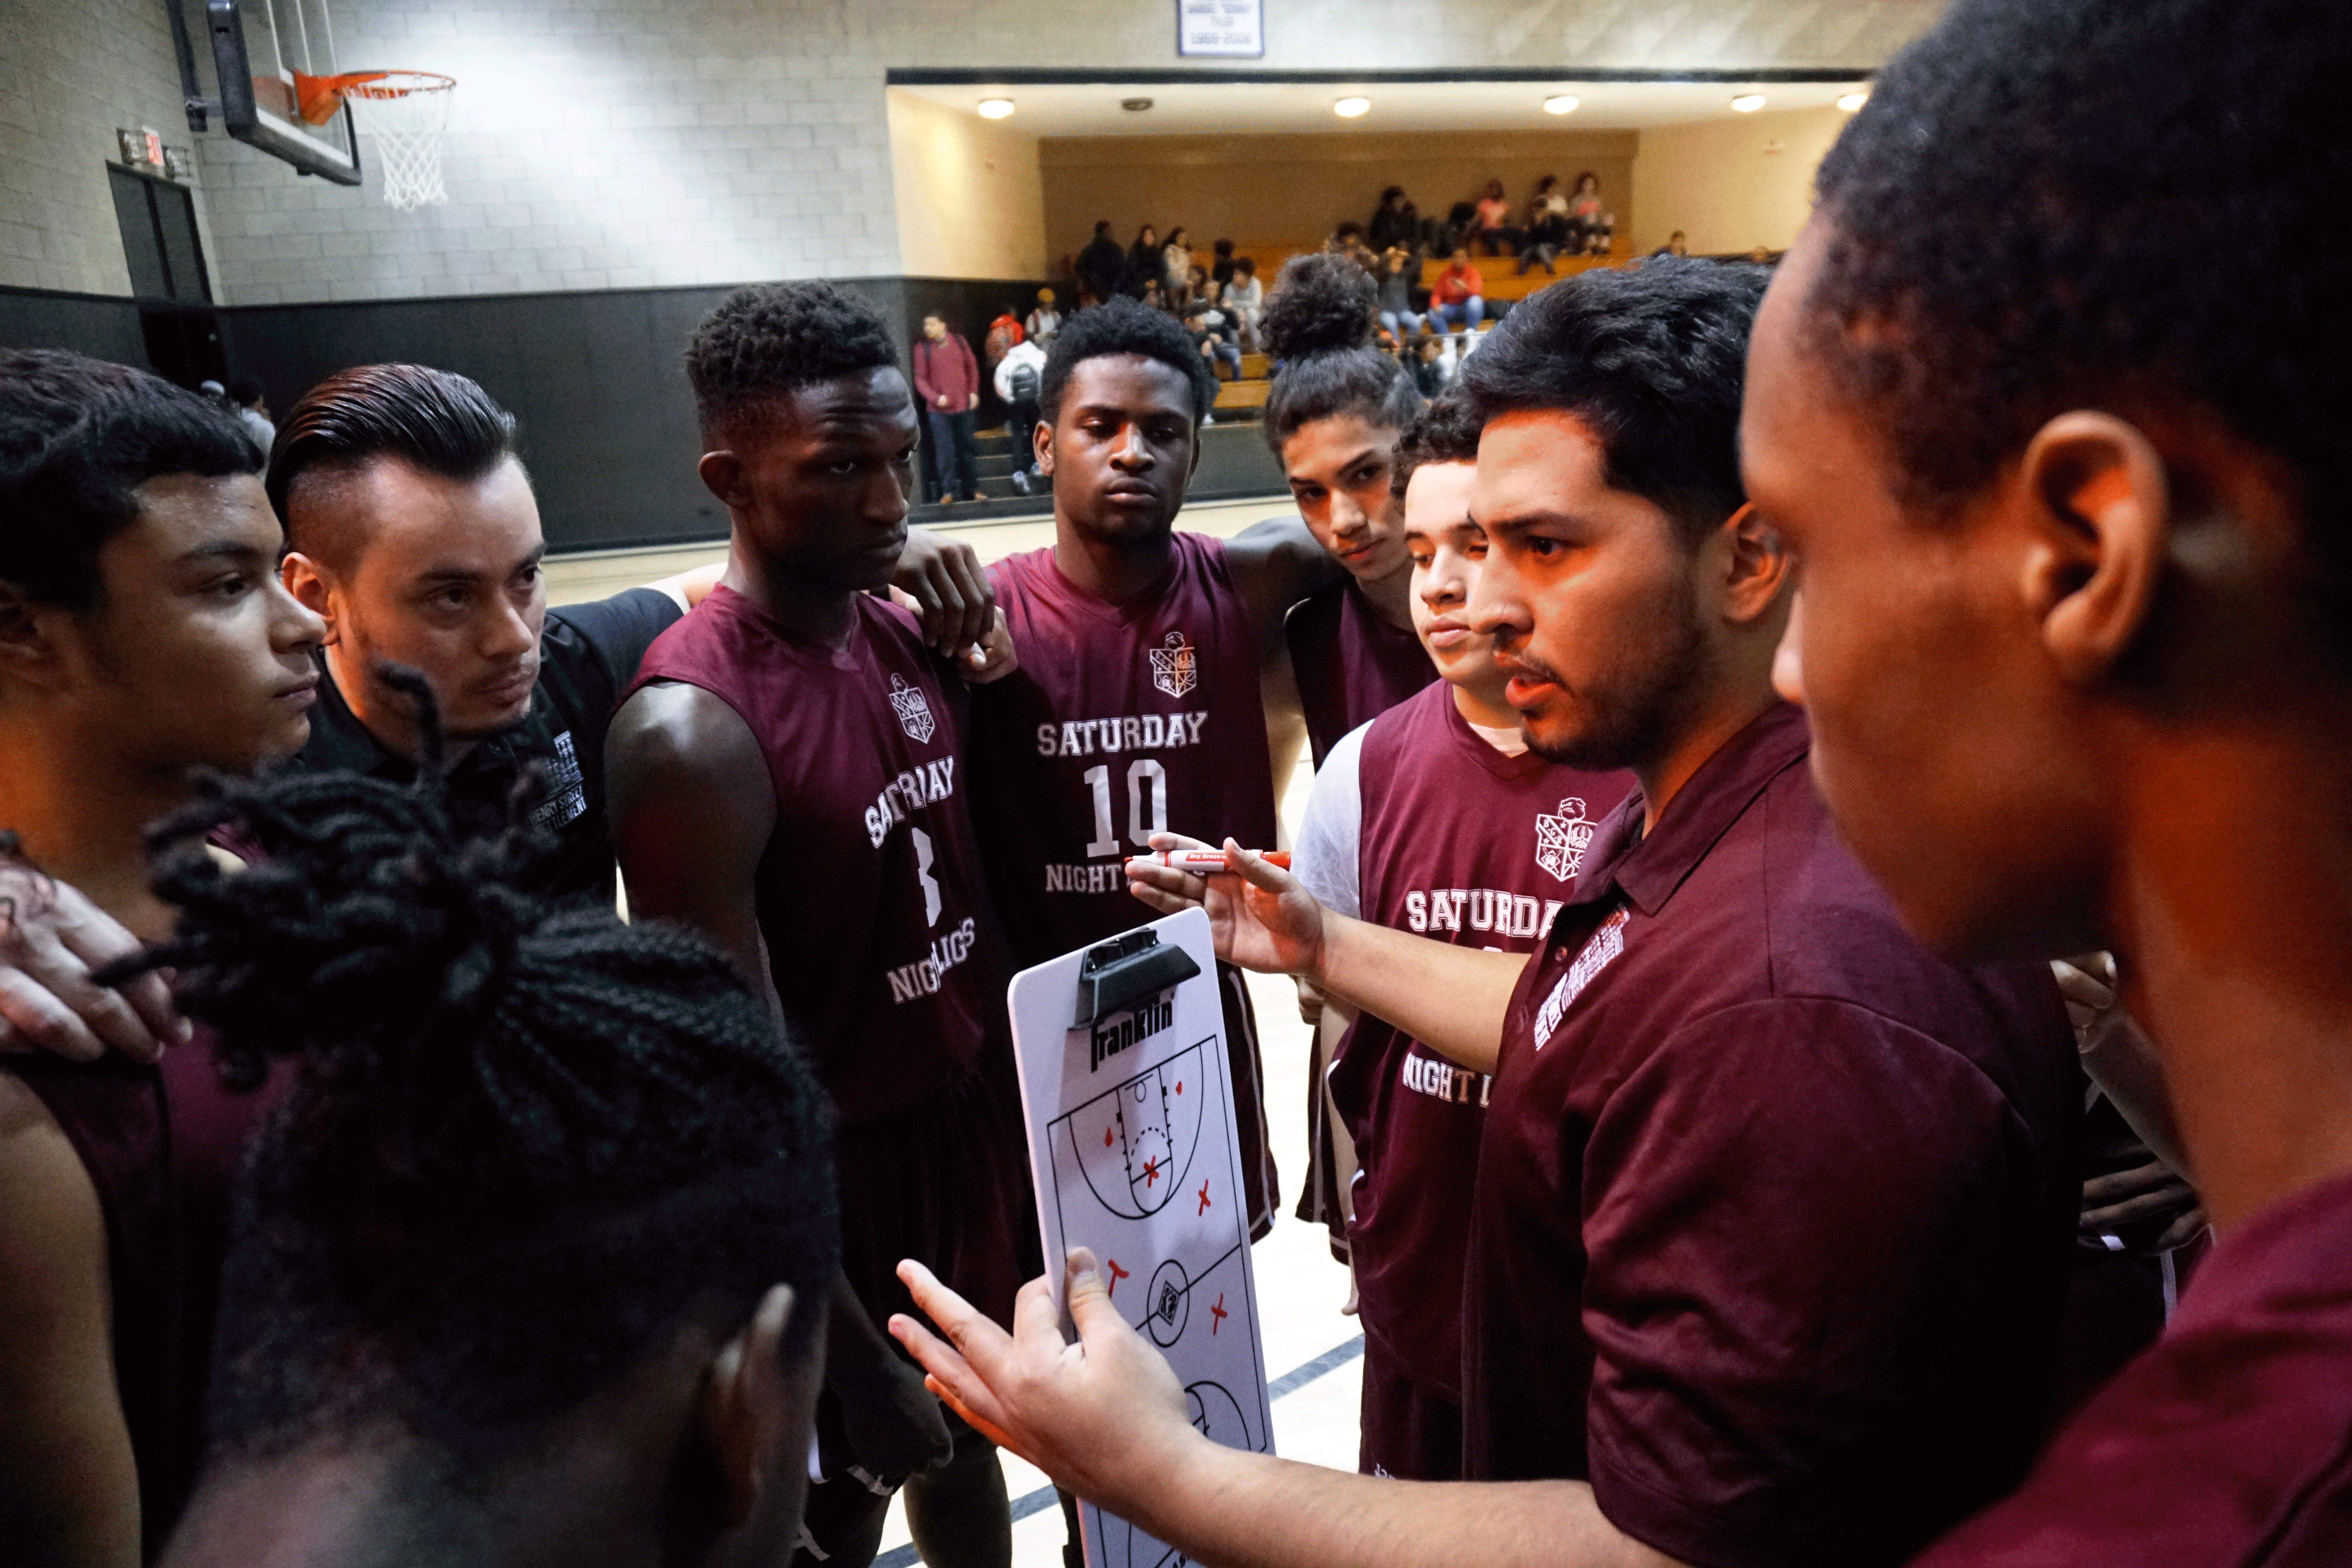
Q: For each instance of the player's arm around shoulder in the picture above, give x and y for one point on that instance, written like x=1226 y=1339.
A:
x=692 y=808
x=1276 y=563
x=69 y=1483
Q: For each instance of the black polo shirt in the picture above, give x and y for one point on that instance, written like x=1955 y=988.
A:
x=588 y=655
x=1774 y=1208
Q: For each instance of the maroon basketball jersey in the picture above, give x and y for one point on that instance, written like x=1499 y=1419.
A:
x=1460 y=843
x=1351 y=665
x=162 y=1146
x=869 y=894
x=1123 y=719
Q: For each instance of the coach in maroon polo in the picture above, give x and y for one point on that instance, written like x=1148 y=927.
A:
x=1773 y=1207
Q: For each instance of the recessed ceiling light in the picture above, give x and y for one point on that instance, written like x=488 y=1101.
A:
x=1748 y=103
x=996 y=109
x=1350 y=107
x=1563 y=104
x=1135 y=105
x=1854 y=100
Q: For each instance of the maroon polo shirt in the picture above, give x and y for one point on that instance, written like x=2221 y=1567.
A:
x=2229 y=1442
x=1773 y=1206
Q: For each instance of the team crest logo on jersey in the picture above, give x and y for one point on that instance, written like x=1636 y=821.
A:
x=1560 y=841
x=1174 y=667
x=913 y=708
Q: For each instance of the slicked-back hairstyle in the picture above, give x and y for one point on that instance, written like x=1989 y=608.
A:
x=1317 y=322
x=522 y=1139
x=1444 y=432
x=436 y=421
x=1123 y=326
x=1652 y=360
x=767 y=341
x=78 y=435
x=2120 y=150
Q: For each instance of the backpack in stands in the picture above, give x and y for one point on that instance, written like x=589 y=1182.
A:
x=1024 y=382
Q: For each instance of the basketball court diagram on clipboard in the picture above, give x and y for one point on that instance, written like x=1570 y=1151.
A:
x=1133 y=1147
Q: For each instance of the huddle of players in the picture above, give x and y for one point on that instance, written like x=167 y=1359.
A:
x=1782 y=1204
x=792 y=772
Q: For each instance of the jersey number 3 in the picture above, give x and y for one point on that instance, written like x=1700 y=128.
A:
x=1141 y=774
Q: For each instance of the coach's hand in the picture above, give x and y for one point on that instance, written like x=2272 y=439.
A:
x=1105 y=1417
x=51 y=940
x=951 y=591
x=1260 y=916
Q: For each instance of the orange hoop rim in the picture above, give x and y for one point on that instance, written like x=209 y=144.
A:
x=318 y=97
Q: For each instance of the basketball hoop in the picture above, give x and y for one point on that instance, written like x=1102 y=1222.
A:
x=405 y=112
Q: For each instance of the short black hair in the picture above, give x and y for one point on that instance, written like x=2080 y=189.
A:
x=78 y=435
x=244 y=391
x=1653 y=360
x=1245 y=264
x=1318 y=323
x=521 y=1138
x=1120 y=325
x=1444 y=432
x=434 y=420
x=2057 y=204
x=769 y=340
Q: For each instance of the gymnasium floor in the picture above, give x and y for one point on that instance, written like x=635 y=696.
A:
x=1311 y=1349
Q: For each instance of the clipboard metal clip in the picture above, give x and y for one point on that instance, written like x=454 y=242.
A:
x=1123 y=971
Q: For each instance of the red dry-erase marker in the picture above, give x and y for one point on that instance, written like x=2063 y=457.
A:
x=1205 y=861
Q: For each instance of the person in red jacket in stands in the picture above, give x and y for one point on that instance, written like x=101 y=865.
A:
x=947 y=378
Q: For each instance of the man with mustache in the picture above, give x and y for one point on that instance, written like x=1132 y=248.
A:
x=1773 y=1207
x=1434 y=817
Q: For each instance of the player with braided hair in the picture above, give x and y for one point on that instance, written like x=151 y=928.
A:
x=547 y=1202
x=1337 y=409
x=1334 y=417
x=787 y=778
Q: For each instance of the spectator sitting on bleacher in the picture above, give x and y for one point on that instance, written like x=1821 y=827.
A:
x=1153 y=295
x=1676 y=245
x=1460 y=225
x=1398 y=270
x=1493 y=210
x=1220 y=271
x=1145 y=261
x=1045 y=321
x=1589 y=227
x=1176 y=268
x=1243 y=298
x=1102 y=266
x=1458 y=300
x=1397 y=222
x=1547 y=227
x=1206 y=325
x=1429 y=373
x=1201 y=288
x=1018 y=380
x=1002 y=334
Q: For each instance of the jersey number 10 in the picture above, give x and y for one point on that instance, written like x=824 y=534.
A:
x=1141 y=771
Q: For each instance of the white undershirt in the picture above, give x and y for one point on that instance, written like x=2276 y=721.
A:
x=1331 y=829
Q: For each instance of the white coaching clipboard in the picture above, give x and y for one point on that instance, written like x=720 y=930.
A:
x=1134 y=1150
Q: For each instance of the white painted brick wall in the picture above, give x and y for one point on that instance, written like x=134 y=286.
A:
x=613 y=144
x=71 y=71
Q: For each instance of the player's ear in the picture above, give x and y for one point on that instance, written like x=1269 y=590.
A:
x=1041 y=440
x=27 y=648
x=307 y=581
x=749 y=1417
x=722 y=475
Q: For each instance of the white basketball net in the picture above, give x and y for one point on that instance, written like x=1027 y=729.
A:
x=407 y=112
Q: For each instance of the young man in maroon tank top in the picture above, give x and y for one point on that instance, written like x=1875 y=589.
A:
x=144 y=636
x=786 y=775
x=1434 y=817
x=1137 y=706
